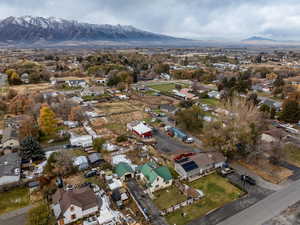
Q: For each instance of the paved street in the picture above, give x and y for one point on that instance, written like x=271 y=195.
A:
x=255 y=194
x=267 y=208
x=146 y=203
x=17 y=217
x=170 y=145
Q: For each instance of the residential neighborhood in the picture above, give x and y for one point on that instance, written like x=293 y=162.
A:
x=167 y=136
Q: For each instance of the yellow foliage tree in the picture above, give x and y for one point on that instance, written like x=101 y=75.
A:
x=47 y=121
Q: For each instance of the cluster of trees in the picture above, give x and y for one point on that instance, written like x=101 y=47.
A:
x=290 y=111
x=199 y=75
x=240 y=84
x=36 y=72
x=59 y=164
x=236 y=133
x=122 y=79
x=190 y=119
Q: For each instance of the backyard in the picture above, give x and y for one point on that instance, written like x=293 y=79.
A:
x=166 y=198
x=218 y=191
x=166 y=87
x=14 y=199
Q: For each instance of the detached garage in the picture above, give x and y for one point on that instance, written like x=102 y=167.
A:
x=140 y=129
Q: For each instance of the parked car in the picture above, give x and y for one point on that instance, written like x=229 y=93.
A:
x=225 y=171
x=248 y=179
x=68 y=146
x=189 y=140
x=90 y=173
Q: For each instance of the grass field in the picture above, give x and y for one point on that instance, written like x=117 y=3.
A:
x=166 y=87
x=166 y=198
x=293 y=154
x=210 y=101
x=14 y=199
x=218 y=191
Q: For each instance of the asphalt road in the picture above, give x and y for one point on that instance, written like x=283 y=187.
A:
x=267 y=208
x=17 y=217
x=146 y=203
x=255 y=194
x=169 y=145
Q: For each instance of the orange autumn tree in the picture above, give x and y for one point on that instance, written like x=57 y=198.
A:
x=47 y=121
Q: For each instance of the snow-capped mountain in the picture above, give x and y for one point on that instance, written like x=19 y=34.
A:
x=30 y=29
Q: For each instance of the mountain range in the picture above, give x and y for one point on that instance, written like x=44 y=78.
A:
x=28 y=29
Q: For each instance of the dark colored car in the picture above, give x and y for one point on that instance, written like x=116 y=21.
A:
x=248 y=179
x=90 y=173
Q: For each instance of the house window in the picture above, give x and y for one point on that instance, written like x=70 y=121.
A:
x=73 y=216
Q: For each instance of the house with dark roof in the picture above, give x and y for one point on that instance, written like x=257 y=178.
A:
x=10 y=167
x=193 y=166
x=154 y=176
x=95 y=158
x=70 y=206
x=10 y=138
x=168 y=108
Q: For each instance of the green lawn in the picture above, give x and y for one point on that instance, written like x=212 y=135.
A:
x=292 y=154
x=210 y=101
x=218 y=191
x=166 y=198
x=166 y=87
x=14 y=199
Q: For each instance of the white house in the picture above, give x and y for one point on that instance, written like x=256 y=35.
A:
x=214 y=94
x=71 y=124
x=192 y=166
x=82 y=141
x=10 y=165
x=156 y=177
x=76 y=83
x=81 y=162
x=70 y=206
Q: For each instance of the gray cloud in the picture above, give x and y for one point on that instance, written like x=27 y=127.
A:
x=199 y=19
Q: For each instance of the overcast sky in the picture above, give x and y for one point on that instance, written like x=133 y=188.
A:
x=198 y=19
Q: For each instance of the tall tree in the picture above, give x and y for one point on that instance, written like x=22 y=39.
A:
x=290 y=111
x=47 y=121
x=31 y=149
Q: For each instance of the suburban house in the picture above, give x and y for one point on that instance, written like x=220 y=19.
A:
x=101 y=80
x=214 y=94
x=57 y=81
x=168 y=108
x=271 y=104
x=10 y=166
x=92 y=91
x=25 y=78
x=192 y=166
x=95 y=158
x=273 y=135
x=76 y=83
x=140 y=129
x=82 y=141
x=10 y=138
x=155 y=177
x=81 y=162
x=71 y=124
x=70 y=206
x=124 y=171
